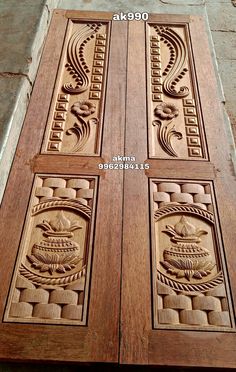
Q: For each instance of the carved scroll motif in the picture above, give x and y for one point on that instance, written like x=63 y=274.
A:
x=175 y=69
x=190 y=281
x=49 y=280
x=172 y=82
x=81 y=80
x=76 y=61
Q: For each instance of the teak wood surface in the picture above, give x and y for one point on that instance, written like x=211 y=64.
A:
x=140 y=342
x=120 y=319
x=99 y=339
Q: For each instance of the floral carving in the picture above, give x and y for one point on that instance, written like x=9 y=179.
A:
x=185 y=258
x=54 y=262
x=82 y=129
x=83 y=108
x=166 y=111
x=57 y=253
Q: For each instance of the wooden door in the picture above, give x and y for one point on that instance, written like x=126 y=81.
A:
x=61 y=217
x=118 y=223
x=178 y=276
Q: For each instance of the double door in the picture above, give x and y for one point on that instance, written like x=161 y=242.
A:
x=118 y=221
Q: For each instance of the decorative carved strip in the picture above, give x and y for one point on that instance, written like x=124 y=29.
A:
x=156 y=75
x=192 y=128
x=50 y=283
x=98 y=67
x=175 y=124
x=189 y=282
x=75 y=121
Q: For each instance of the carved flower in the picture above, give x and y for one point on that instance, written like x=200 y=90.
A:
x=166 y=111
x=54 y=263
x=188 y=268
x=83 y=108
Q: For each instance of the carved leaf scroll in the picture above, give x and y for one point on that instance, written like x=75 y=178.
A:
x=175 y=69
x=76 y=61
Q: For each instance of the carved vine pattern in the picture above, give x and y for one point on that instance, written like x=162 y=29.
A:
x=76 y=61
x=175 y=69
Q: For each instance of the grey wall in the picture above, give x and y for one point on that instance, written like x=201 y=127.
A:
x=23 y=27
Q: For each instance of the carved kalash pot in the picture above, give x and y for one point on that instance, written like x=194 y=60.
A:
x=57 y=253
x=186 y=258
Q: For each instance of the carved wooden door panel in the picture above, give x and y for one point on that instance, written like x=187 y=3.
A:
x=178 y=280
x=61 y=217
x=69 y=229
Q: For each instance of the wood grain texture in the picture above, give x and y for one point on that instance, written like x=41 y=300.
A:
x=136 y=296
x=120 y=311
x=104 y=305
x=98 y=340
x=192 y=349
x=19 y=183
x=140 y=343
x=201 y=169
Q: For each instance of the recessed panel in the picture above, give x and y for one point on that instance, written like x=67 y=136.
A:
x=50 y=283
x=174 y=121
x=76 y=114
x=190 y=286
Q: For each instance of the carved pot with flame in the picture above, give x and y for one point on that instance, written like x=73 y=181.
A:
x=57 y=253
x=185 y=258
